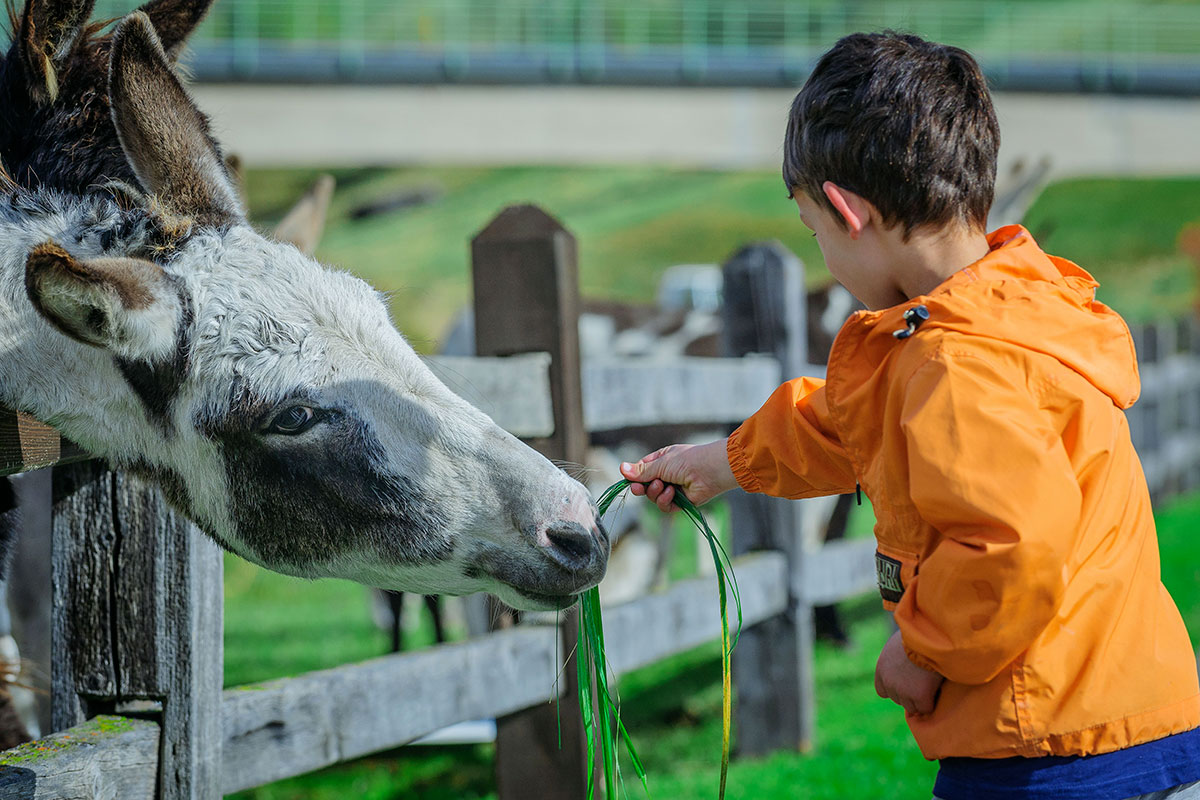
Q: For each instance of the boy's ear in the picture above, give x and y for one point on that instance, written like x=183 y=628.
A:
x=125 y=305
x=853 y=209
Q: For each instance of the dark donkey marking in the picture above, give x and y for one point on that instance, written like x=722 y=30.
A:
x=157 y=384
x=281 y=483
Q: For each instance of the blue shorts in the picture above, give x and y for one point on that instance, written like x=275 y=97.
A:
x=1168 y=764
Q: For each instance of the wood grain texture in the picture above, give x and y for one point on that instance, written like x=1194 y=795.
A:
x=290 y=726
x=83 y=551
x=629 y=392
x=169 y=613
x=294 y=725
x=107 y=757
x=137 y=591
x=513 y=391
x=1165 y=421
x=837 y=571
x=763 y=313
x=526 y=278
x=26 y=444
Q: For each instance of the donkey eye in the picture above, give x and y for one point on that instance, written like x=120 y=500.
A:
x=293 y=420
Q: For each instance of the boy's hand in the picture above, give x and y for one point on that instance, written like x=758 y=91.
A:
x=903 y=682
x=701 y=470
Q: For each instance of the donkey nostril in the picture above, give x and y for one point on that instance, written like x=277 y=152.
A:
x=571 y=546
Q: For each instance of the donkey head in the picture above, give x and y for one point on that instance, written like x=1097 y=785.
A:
x=272 y=398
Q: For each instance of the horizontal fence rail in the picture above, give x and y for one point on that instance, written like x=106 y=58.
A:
x=1021 y=43
x=290 y=726
x=26 y=444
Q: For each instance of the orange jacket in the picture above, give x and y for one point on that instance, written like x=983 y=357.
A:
x=1016 y=542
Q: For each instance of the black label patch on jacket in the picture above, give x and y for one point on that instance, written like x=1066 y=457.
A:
x=887 y=573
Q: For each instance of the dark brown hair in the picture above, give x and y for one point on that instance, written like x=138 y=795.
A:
x=905 y=123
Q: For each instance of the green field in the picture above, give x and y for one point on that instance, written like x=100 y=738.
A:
x=632 y=223
x=277 y=626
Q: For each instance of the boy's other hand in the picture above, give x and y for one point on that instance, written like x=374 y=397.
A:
x=700 y=470
x=903 y=682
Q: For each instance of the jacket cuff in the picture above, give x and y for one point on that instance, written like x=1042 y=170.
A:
x=742 y=473
x=919 y=660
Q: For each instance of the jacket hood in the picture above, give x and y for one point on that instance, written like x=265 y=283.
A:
x=1021 y=295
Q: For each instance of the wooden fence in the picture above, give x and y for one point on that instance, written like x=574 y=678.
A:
x=137 y=688
x=1165 y=421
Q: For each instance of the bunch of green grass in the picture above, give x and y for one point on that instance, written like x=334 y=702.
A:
x=591 y=664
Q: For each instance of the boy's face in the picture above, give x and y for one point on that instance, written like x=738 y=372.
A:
x=852 y=260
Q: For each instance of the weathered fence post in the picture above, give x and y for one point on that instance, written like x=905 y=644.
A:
x=773 y=662
x=527 y=300
x=137 y=594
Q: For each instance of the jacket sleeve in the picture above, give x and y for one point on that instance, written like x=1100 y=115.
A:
x=990 y=474
x=789 y=447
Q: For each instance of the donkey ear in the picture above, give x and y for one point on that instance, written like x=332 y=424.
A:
x=48 y=32
x=305 y=223
x=175 y=20
x=163 y=134
x=126 y=305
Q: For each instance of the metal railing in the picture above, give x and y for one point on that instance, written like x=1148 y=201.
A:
x=1075 y=44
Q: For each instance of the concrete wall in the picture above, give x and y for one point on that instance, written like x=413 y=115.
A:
x=722 y=128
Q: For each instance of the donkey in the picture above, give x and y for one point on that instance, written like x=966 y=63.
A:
x=270 y=398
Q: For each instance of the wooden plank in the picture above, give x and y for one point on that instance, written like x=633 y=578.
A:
x=290 y=726
x=137 y=591
x=169 y=634
x=688 y=614
x=513 y=391
x=26 y=444
x=630 y=393
x=837 y=571
x=526 y=280
x=773 y=664
x=83 y=547
x=110 y=757
x=287 y=727
x=1165 y=422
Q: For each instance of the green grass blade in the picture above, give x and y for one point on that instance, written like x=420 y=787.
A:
x=583 y=679
x=591 y=638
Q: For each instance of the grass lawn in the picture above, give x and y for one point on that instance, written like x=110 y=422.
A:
x=634 y=222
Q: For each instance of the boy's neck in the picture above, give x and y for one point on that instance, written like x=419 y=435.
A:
x=929 y=257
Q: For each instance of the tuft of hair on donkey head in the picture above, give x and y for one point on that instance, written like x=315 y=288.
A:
x=270 y=397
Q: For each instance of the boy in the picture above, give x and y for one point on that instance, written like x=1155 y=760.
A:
x=978 y=402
